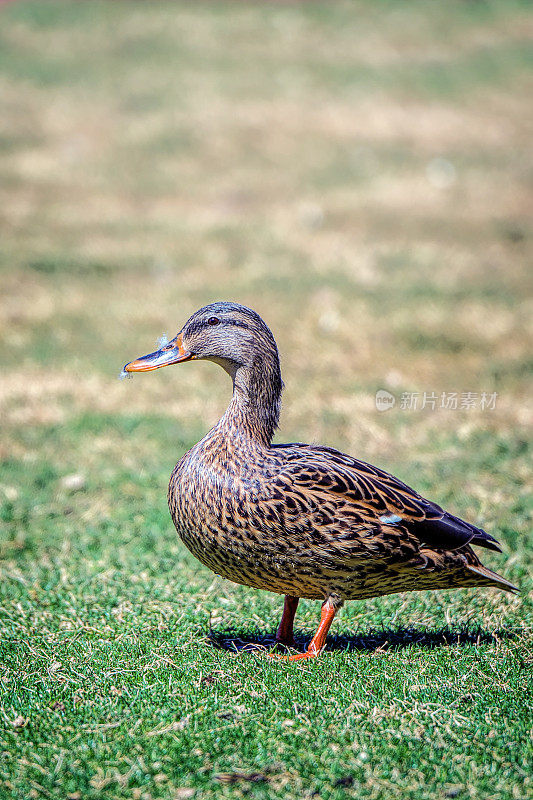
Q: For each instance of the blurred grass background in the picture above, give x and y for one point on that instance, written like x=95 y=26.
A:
x=360 y=174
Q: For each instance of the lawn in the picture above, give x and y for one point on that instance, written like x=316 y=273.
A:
x=360 y=174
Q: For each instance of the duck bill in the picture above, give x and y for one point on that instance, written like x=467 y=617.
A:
x=173 y=353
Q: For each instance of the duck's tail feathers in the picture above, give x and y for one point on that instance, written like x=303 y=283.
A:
x=492 y=578
x=451 y=532
x=484 y=539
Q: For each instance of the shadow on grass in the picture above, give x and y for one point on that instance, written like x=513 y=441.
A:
x=373 y=641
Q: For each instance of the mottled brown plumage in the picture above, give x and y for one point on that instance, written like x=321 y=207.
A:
x=297 y=519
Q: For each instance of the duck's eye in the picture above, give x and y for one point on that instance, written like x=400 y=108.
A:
x=213 y=321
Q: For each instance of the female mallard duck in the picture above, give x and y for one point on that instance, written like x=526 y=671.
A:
x=297 y=519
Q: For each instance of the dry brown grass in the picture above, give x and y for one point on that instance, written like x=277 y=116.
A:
x=152 y=162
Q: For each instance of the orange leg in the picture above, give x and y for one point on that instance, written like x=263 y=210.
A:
x=285 y=634
x=318 y=641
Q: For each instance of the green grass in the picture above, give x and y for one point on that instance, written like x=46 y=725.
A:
x=157 y=156
x=130 y=669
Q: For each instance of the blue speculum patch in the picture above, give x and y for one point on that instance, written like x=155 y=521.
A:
x=390 y=519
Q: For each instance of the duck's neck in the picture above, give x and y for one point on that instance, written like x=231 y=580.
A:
x=256 y=403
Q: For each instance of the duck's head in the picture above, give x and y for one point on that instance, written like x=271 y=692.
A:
x=229 y=334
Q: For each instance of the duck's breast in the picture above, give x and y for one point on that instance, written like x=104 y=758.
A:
x=208 y=504
x=219 y=514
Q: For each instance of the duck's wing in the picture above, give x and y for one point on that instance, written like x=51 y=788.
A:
x=321 y=476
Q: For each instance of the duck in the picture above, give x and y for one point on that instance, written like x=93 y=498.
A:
x=300 y=520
